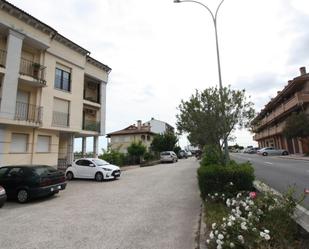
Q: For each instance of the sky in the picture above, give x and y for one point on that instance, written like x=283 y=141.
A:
x=161 y=51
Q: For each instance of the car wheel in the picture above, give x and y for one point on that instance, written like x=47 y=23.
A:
x=22 y=196
x=69 y=176
x=285 y=153
x=99 y=177
x=264 y=154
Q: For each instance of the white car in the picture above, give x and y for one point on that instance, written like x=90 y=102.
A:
x=272 y=151
x=92 y=168
x=168 y=156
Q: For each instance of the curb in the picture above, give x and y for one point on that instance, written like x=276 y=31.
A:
x=301 y=214
x=200 y=239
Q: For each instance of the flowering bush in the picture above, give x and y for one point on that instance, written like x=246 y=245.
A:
x=252 y=222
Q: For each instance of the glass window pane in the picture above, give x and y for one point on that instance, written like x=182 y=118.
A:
x=19 y=143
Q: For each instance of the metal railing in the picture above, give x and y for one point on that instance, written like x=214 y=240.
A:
x=89 y=125
x=32 y=69
x=28 y=112
x=2 y=58
x=61 y=119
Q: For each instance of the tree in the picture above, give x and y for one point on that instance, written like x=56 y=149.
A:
x=164 y=142
x=297 y=126
x=210 y=116
x=137 y=150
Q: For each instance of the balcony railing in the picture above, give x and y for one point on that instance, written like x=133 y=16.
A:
x=61 y=119
x=28 y=112
x=2 y=58
x=33 y=69
x=89 y=125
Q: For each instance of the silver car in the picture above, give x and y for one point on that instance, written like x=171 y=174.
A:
x=272 y=151
x=168 y=156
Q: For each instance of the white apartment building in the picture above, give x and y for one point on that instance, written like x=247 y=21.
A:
x=51 y=91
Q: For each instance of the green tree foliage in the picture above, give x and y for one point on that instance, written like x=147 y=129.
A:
x=297 y=126
x=164 y=142
x=137 y=150
x=114 y=157
x=210 y=116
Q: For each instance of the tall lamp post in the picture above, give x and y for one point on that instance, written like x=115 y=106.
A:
x=214 y=18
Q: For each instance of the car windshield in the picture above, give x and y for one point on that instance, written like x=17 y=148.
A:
x=100 y=162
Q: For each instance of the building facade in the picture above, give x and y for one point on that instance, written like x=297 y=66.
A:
x=51 y=91
x=269 y=124
x=122 y=139
x=159 y=127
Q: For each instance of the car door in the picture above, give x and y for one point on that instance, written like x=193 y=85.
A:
x=271 y=151
x=13 y=179
x=90 y=168
x=80 y=168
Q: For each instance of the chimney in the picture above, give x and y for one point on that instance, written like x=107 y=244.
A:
x=139 y=124
x=302 y=71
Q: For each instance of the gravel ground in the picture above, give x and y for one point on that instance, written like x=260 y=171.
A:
x=153 y=207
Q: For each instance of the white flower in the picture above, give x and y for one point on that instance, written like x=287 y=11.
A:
x=267 y=237
x=213 y=225
x=224 y=219
x=249 y=214
x=231 y=183
x=216 y=194
x=220 y=236
x=211 y=235
x=243 y=226
x=266 y=231
x=238 y=195
x=241 y=238
x=229 y=224
x=219 y=246
x=216 y=232
x=232 y=245
x=254 y=229
x=208 y=241
x=262 y=234
x=247 y=208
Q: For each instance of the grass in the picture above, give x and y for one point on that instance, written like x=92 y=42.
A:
x=214 y=212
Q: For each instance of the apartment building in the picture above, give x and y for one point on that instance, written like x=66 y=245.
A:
x=270 y=122
x=159 y=127
x=122 y=139
x=51 y=91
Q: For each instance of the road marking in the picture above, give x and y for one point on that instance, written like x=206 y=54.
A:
x=268 y=162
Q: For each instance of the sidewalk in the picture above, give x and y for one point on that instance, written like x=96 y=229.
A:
x=125 y=168
x=296 y=157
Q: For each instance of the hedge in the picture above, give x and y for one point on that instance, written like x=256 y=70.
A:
x=225 y=179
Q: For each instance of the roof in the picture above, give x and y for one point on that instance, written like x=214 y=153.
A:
x=36 y=23
x=160 y=121
x=132 y=129
x=291 y=87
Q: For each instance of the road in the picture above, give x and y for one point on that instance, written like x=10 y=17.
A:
x=279 y=173
x=153 y=207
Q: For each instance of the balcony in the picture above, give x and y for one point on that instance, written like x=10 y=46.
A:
x=92 y=90
x=33 y=69
x=90 y=125
x=61 y=119
x=2 y=58
x=28 y=112
x=272 y=131
x=297 y=99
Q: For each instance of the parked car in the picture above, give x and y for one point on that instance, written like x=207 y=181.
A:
x=253 y=150
x=182 y=154
x=272 y=151
x=92 y=168
x=25 y=182
x=168 y=156
x=2 y=196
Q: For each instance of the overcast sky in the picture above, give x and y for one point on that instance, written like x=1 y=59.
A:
x=160 y=52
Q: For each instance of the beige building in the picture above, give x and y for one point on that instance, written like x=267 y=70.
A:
x=270 y=122
x=51 y=92
x=122 y=139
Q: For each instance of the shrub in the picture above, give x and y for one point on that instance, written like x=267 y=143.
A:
x=114 y=157
x=225 y=179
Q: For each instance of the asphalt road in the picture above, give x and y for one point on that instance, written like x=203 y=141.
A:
x=153 y=207
x=279 y=173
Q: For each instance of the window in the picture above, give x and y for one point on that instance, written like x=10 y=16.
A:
x=83 y=163
x=3 y=171
x=43 y=144
x=143 y=137
x=15 y=172
x=19 y=143
x=61 y=112
x=148 y=138
x=63 y=80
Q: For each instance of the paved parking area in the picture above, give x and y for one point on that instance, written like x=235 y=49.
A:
x=153 y=207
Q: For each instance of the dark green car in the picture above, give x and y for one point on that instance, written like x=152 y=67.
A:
x=25 y=182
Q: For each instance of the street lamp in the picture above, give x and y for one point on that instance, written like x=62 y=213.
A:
x=214 y=18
